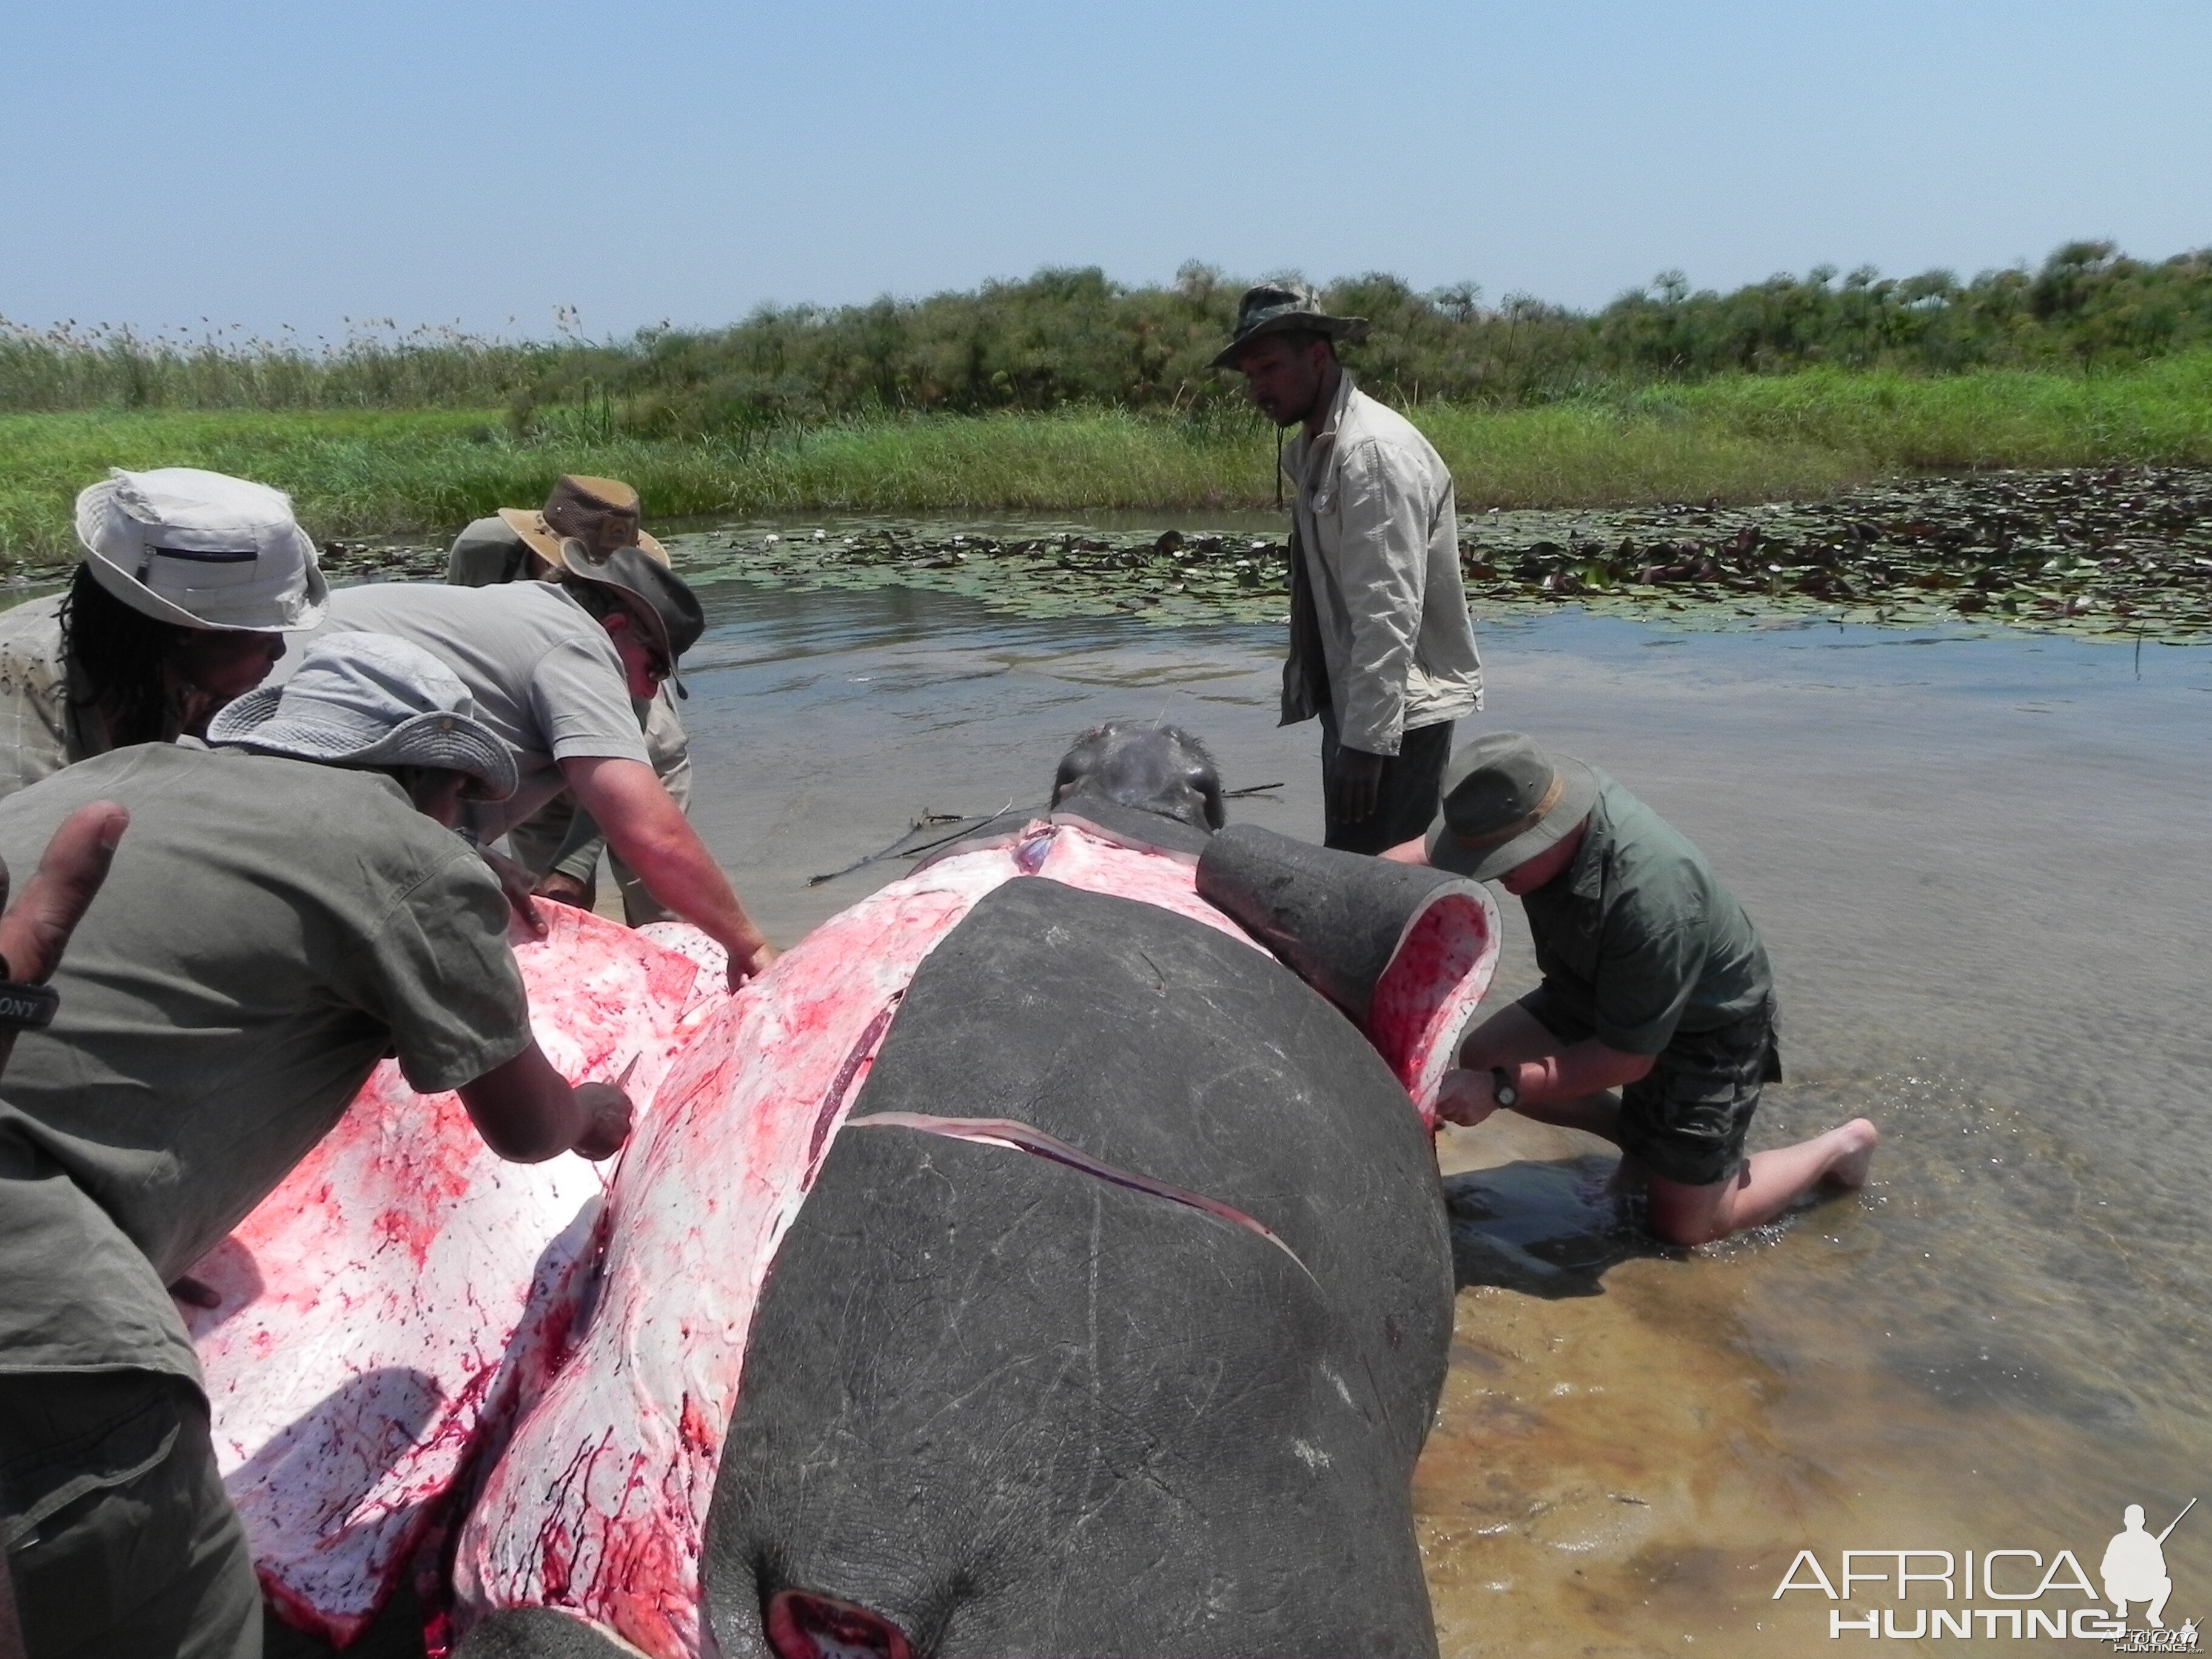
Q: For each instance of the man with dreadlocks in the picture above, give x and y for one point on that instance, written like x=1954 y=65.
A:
x=189 y=583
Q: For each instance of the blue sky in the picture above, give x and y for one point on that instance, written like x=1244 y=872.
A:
x=271 y=162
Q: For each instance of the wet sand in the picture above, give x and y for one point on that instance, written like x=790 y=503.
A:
x=1978 y=863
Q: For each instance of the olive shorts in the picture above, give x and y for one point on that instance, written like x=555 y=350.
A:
x=1686 y=1118
x=117 y=1534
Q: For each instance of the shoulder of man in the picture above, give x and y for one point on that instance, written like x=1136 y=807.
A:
x=1649 y=861
x=30 y=632
x=487 y=553
x=1382 y=443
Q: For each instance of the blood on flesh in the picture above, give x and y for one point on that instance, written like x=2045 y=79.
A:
x=403 y=1288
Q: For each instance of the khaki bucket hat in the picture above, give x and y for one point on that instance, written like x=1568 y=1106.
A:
x=1505 y=801
x=600 y=513
x=1284 y=308
x=202 y=549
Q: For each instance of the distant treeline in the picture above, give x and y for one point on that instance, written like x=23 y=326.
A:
x=1066 y=337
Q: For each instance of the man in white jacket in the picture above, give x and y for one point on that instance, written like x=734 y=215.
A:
x=1380 y=645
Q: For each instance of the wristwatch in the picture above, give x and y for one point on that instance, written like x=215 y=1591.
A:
x=1501 y=1087
x=27 y=1007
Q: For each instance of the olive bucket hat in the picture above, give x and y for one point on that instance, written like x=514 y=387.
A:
x=201 y=549
x=1284 y=308
x=664 y=599
x=1506 y=800
x=370 y=700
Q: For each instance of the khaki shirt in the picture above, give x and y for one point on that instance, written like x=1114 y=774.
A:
x=1374 y=536
x=269 y=930
x=1638 y=939
x=40 y=730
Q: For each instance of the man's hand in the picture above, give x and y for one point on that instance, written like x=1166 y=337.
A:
x=1466 y=1097
x=606 y=1121
x=1357 y=786
x=564 y=888
x=526 y=1113
x=519 y=884
x=751 y=967
x=38 y=926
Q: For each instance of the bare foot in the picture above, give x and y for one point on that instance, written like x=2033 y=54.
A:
x=1858 y=1138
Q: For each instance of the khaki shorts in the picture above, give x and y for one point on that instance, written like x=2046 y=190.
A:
x=119 y=1536
x=1685 y=1120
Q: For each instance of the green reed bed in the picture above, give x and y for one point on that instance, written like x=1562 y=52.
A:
x=1732 y=439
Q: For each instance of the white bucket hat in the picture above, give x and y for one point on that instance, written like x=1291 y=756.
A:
x=202 y=549
x=370 y=700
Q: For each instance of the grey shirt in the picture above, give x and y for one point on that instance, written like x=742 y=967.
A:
x=269 y=930
x=545 y=674
x=1638 y=939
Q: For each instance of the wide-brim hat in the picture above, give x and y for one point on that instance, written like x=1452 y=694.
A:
x=1284 y=308
x=1505 y=801
x=363 y=700
x=202 y=549
x=666 y=600
x=600 y=513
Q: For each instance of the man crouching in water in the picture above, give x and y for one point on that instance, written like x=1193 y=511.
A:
x=1655 y=984
x=284 y=911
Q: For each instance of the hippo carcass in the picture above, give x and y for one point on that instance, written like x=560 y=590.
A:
x=1028 y=1264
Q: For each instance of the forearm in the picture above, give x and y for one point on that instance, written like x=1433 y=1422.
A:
x=1580 y=1069
x=677 y=870
x=649 y=830
x=524 y=1110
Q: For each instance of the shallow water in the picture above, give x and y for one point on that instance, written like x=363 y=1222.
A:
x=1977 y=862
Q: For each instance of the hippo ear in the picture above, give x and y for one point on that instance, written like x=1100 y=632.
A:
x=1207 y=782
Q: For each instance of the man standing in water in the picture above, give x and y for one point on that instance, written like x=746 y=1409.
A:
x=1380 y=645
x=1655 y=984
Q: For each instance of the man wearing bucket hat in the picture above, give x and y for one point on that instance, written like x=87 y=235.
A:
x=561 y=845
x=1655 y=984
x=189 y=583
x=557 y=670
x=1380 y=647
x=286 y=908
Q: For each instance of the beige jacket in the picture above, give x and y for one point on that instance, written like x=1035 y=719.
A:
x=1375 y=549
x=40 y=730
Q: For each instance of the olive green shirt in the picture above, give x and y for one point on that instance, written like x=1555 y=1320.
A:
x=270 y=929
x=1638 y=939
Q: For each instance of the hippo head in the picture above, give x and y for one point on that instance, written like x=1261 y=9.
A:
x=1161 y=769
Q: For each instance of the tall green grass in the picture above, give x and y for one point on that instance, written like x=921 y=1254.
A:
x=1736 y=438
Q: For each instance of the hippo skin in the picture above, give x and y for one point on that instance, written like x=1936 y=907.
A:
x=1027 y=1263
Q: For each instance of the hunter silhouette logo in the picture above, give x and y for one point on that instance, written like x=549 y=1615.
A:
x=2027 y=1594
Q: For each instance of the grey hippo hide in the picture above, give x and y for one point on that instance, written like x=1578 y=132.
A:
x=1005 y=1405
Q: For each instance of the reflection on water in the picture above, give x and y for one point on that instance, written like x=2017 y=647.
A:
x=1978 y=866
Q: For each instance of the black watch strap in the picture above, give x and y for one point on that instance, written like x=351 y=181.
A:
x=27 y=1007
x=1501 y=1087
